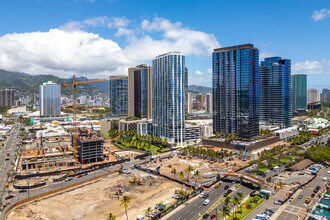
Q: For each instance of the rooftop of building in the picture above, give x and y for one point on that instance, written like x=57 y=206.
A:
x=169 y=53
x=318 y=122
x=236 y=47
x=286 y=130
x=301 y=165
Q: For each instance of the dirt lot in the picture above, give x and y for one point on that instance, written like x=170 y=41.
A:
x=95 y=200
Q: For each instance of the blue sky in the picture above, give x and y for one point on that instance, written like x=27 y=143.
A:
x=99 y=37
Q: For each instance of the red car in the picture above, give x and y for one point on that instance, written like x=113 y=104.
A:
x=213 y=216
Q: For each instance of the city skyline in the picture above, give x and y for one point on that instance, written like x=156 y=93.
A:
x=111 y=35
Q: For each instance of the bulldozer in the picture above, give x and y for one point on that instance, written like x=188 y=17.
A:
x=173 y=170
x=136 y=180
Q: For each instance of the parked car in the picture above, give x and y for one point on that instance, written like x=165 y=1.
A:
x=206 y=201
x=213 y=216
x=226 y=187
x=22 y=191
x=175 y=196
x=300 y=196
x=201 y=195
x=316 y=189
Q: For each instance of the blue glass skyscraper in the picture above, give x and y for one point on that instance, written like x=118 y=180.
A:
x=275 y=91
x=299 y=92
x=50 y=99
x=168 y=84
x=119 y=97
x=236 y=90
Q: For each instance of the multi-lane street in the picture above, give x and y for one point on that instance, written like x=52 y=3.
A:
x=11 y=144
x=196 y=209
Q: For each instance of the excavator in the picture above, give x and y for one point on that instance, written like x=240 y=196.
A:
x=136 y=180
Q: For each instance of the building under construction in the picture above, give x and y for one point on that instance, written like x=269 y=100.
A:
x=90 y=147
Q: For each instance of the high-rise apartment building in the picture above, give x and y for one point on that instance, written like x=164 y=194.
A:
x=140 y=91
x=313 y=95
x=7 y=97
x=325 y=95
x=209 y=103
x=275 y=91
x=200 y=98
x=168 y=83
x=189 y=103
x=236 y=90
x=119 y=97
x=299 y=92
x=50 y=99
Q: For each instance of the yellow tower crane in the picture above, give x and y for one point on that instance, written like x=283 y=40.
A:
x=74 y=99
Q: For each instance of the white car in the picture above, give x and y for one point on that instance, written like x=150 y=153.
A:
x=175 y=196
x=324 y=179
x=206 y=201
x=201 y=195
x=232 y=188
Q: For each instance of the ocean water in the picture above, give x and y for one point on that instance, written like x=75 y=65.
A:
x=323 y=212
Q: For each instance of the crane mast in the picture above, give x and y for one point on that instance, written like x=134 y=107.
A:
x=74 y=105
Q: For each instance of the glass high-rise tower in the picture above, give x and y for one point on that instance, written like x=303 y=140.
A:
x=119 y=97
x=275 y=91
x=236 y=90
x=299 y=92
x=140 y=91
x=50 y=99
x=169 y=85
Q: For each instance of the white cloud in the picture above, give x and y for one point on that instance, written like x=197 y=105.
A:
x=72 y=50
x=264 y=54
x=183 y=39
x=312 y=67
x=321 y=14
x=112 y=22
x=201 y=78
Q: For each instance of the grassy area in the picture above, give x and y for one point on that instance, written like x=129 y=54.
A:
x=278 y=163
x=106 y=135
x=153 y=149
x=246 y=211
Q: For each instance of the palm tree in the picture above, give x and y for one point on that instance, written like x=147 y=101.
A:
x=181 y=176
x=240 y=196
x=110 y=216
x=197 y=174
x=125 y=201
x=227 y=202
x=236 y=202
x=225 y=211
x=188 y=170
x=147 y=211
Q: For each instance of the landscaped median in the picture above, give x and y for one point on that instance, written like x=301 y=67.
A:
x=248 y=207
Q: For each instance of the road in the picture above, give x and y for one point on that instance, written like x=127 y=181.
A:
x=10 y=147
x=196 y=209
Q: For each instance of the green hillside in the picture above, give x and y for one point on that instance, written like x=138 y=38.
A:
x=25 y=83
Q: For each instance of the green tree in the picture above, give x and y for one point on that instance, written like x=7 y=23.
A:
x=181 y=176
x=125 y=201
x=110 y=216
x=147 y=211
x=197 y=175
x=188 y=170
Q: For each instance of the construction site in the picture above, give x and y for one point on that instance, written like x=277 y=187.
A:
x=97 y=199
x=208 y=169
